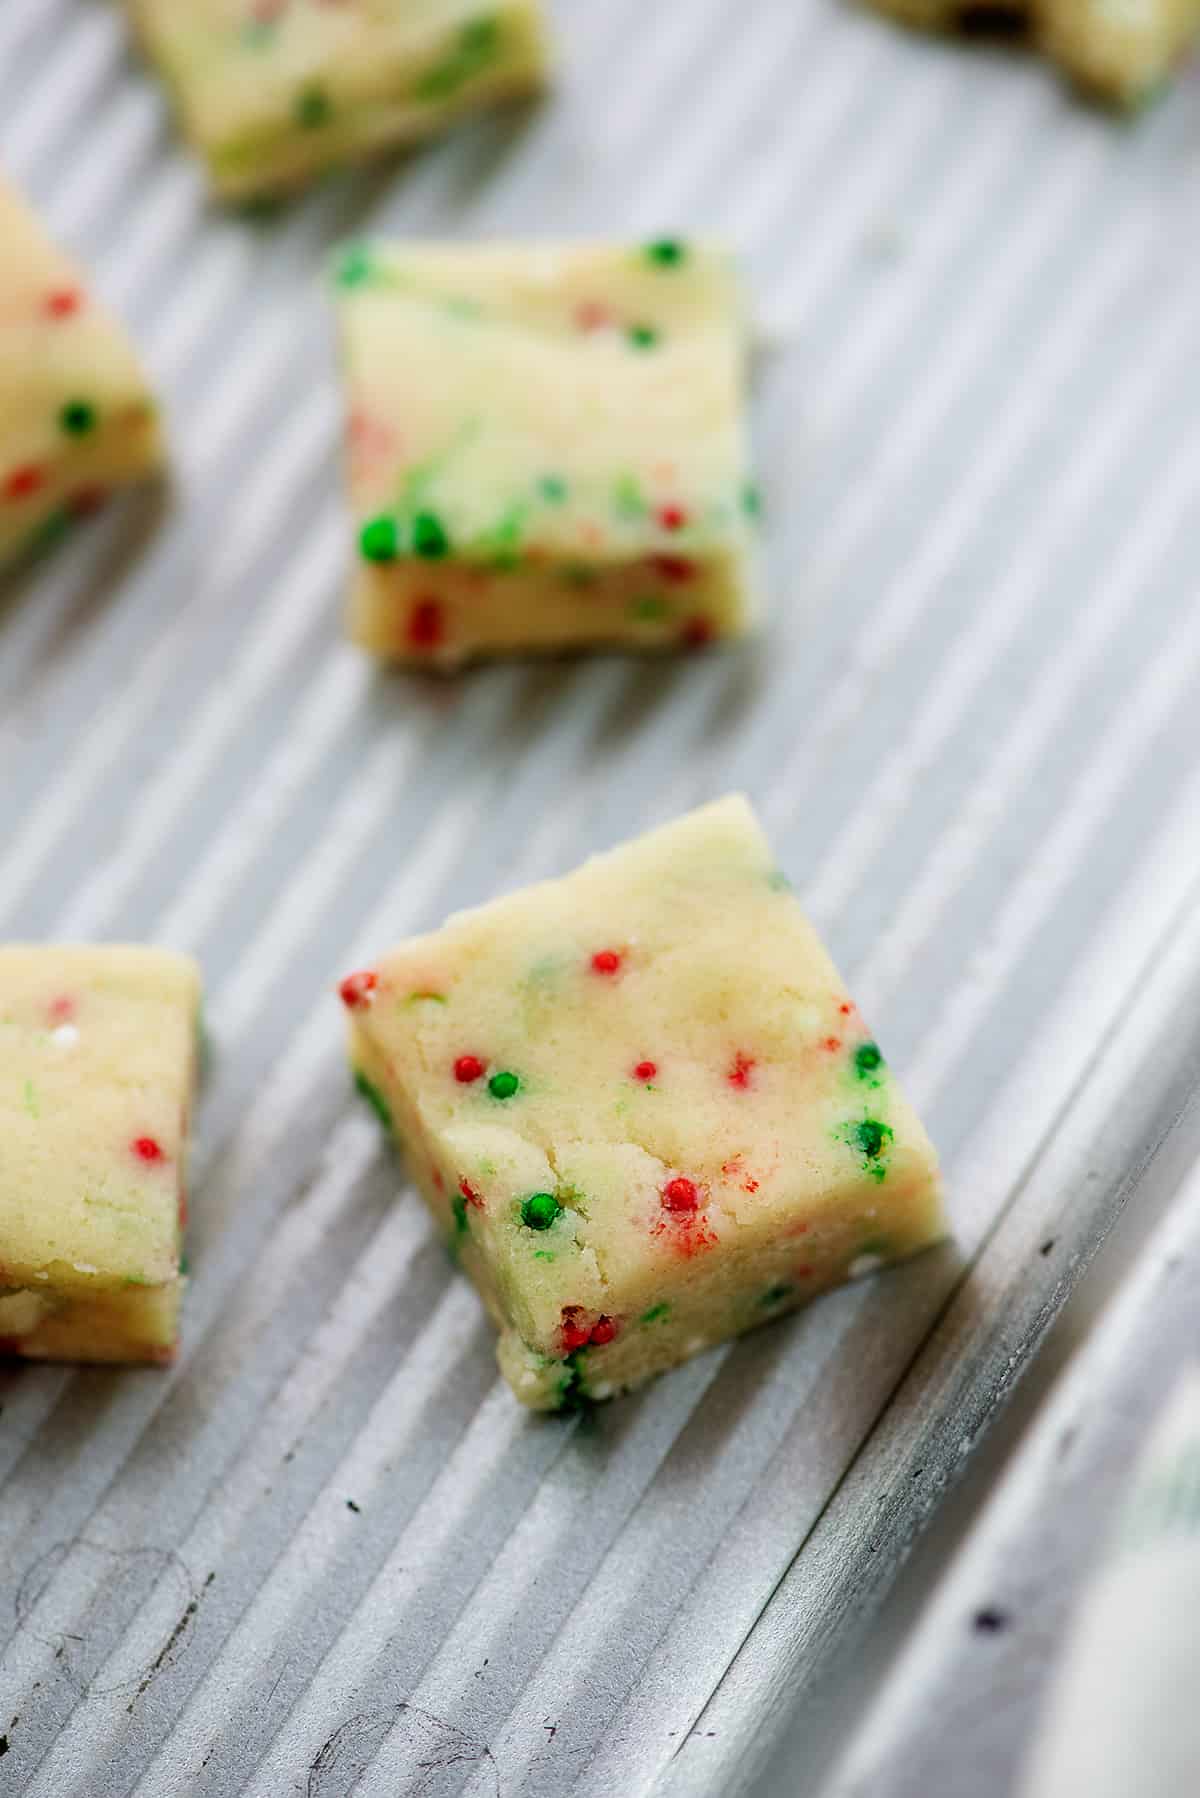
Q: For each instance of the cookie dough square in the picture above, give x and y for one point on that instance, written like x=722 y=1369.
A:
x=1120 y=50
x=76 y=416
x=272 y=91
x=642 y=1107
x=548 y=448
x=97 y=1068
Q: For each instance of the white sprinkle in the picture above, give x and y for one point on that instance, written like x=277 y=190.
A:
x=84 y=1267
x=604 y=1390
x=864 y=1264
x=65 y=1036
x=528 y=1378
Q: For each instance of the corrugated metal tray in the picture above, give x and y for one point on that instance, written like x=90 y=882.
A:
x=326 y=1553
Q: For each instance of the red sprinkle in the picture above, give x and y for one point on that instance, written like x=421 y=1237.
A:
x=23 y=483
x=832 y=1043
x=61 y=1010
x=605 y=961
x=739 y=1073
x=357 y=989
x=645 y=1070
x=426 y=624
x=148 y=1149
x=592 y=315
x=672 y=518
x=574 y=1328
x=673 y=568
x=680 y=1194
x=470 y=1195
x=63 y=302
x=603 y=1330
x=846 y=1009
x=698 y=633
x=468 y=1068
x=439 y=1184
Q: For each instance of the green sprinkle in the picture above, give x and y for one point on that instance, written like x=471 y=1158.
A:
x=439 y=83
x=779 y=882
x=867 y=1061
x=458 y=1206
x=540 y=1210
x=643 y=337
x=478 y=44
x=481 y=37
x=751 y=500
x=380 y=539
x=77 y=418
x=367 y=1090
x=429 y=537
x=31 y=1100
x=504 y=1085
x=649 y=610
x=553 y=489
x=354 y=268
x=656 y=1313
x=427 y=998
x=542 y=1255
x=572 y=1391
x=666 y=252
x=775 y=1295
x=870 y=1138
x=185 y=1267
x=312 y=109
x=628 y=498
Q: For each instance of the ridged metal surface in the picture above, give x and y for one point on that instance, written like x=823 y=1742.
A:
x=1043 y=1536
x=327 y=1553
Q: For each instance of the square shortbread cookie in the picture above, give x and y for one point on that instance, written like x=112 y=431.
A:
x=547 y=448
x=642 y=1107
x=97 y=1067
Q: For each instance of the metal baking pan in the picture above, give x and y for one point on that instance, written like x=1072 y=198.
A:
x=326 y=1553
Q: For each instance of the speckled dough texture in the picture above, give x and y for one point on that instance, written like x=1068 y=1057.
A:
x=642 y=1107
x=1120 y=51
x=547 y=448
x=97 y=1067
x=271 y=91
x=76 y=415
